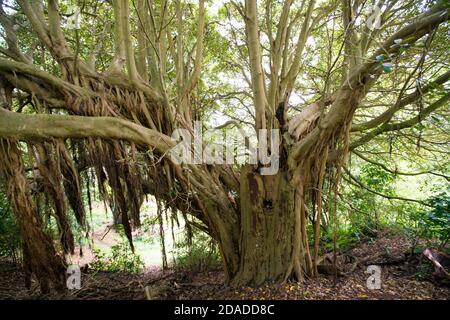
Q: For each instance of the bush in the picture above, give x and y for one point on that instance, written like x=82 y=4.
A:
x=432 y=223
x=435 y=223
x=346 y=237
x=9 y=231
x=200 y=256
x=121 y=258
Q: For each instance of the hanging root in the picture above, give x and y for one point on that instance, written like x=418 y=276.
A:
x=309 y=179
x=119 y=171
x=47 y=161
x=40 y=257
x=72 y=183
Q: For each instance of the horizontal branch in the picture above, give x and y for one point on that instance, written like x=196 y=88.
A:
x=46 y=126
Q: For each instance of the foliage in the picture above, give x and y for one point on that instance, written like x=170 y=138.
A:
x=199 y=255
x=360 y=212
x=121 y=258
x=9 y=231
x=345 y=238
x=435 y=223
x=426 y=222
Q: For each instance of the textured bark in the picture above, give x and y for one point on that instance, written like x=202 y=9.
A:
x=267 y=228
x=39 y=253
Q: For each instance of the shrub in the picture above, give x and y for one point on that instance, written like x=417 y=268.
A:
x=121 y=258
x=9 y=231
x=201 y=255
x=435 y=223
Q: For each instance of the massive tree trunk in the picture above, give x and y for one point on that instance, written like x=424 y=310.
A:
x=267 y=227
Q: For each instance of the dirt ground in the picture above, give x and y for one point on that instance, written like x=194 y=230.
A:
x=401 y=278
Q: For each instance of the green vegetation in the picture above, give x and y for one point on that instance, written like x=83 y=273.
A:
x=121 y=258
x=9 y=231
x=199 y=254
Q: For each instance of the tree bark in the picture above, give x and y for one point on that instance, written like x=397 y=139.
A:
x=271 y=233
x=39 y=253
x=267 y=228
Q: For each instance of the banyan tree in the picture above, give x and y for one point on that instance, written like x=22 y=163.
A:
x=91 y=92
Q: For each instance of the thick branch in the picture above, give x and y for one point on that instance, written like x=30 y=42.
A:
x=288 y=82
x=44 y=126
x=258 y=86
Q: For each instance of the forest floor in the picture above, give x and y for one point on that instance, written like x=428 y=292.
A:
x=401 y=278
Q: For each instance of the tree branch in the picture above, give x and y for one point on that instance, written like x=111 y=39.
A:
x=44 y=126
x=395 y=172
x=387 y=115
x=359 y=183
x=387 y=127
x=253 y=42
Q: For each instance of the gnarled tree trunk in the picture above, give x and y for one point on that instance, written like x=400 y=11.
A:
x=267 y=235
